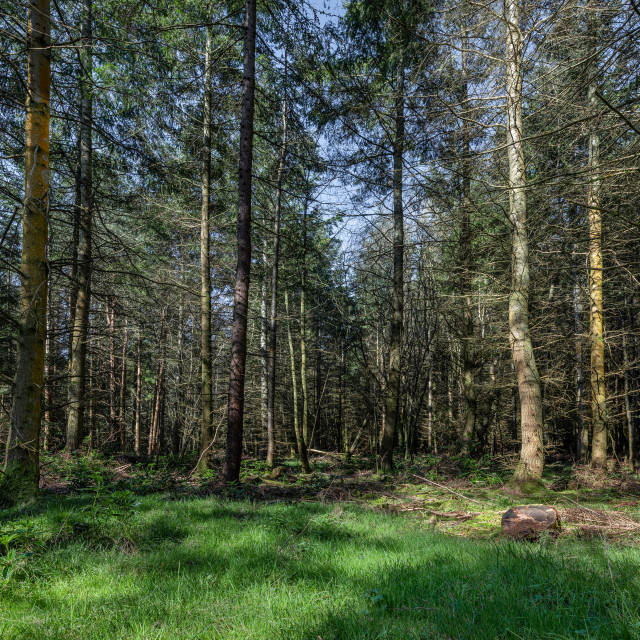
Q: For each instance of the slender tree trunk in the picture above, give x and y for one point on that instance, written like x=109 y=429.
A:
x=274 y=291
x=82 y=281
x=627 y=400
x=21 y=475
x=583 y=432
x=178 y=422
x=303 y=330
x=138 y=406
x=122 y=425
x=264 y=353
x=111 y=323
x=529 y=468
x=93 y=440
x=233 y=454
x=302 y=447
x=467 y=355
x=205 y=269
x=596 y=332
x=156 y=426
x=392 y=400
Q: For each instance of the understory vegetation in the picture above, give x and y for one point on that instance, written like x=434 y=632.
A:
x=117 y=550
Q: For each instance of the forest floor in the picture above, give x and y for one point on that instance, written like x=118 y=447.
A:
x=118 y=548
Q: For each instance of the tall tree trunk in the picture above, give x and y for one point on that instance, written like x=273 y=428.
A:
x=303 y=329
x=529 y=468
x=583 y=433
x=205 y=269
x=122 y=426
x=81 y=298
x=233 y=454
x=392 y=401
x=467 y=355
x=21 y=475
x=156 y=423
x=596 y=329
x=111 y=323
x=273 y=323
x=138 y=404
x=302 y=447
x=627 y=400
x=264 y=353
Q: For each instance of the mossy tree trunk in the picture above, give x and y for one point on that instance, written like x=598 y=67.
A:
x=20 y=479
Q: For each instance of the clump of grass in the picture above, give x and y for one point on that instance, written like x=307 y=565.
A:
x=216 y=568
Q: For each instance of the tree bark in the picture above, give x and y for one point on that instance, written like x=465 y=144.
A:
x=111 y=323
x=205 y=268
x=302 y=447
x=273 y=321
x=596 y=329
x=82 y=282
x=467 y=355
x=303 y=329
x=529 y=468
x=392 y=401
x=138 y=405
x=122 y=426
x=233 y=454
x=21 y=476
x=264 y=353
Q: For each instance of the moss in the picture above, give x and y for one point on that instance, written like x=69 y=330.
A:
x=18 y=485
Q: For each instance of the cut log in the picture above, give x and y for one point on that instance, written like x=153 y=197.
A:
x=528 y=521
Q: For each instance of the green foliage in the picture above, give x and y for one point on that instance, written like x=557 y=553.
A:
x=17 y=545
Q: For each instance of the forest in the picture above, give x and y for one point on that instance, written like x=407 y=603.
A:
x=297 y=298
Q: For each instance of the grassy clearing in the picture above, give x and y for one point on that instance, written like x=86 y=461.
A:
x=220 y=568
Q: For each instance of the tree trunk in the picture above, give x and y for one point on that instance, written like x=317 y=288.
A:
x=392 y=401
x=264 y=354
x=303 y=330
x=82 y=281
x=302 y=447
x=467 y=355
x=122 y=427
x=274 y=290
x=529 y=468
x=596 y=329
x=21 y=475
x=138 y=404
x=205 y=269
x=233 y=454
x=111 y=323
x=627 y=400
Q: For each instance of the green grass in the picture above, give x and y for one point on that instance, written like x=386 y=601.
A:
x=211 y=568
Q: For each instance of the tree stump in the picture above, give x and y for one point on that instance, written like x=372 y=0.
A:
x=526 y=522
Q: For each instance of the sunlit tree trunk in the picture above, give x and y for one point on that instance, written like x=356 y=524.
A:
x=233 y=454
x=392 y=400
x=529 y=468
x=21 y=475
x=596 y=328
x=205 y=268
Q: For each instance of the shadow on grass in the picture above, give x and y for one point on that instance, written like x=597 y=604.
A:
x=307 y=571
